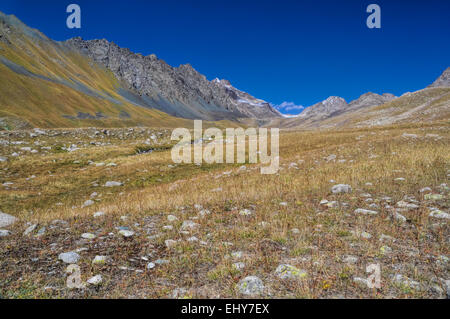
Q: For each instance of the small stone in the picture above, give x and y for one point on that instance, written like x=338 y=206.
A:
x=341 y=188
x=365 y=211
x=405 y=281
x=100 y=260
x=99 y=214
x=385 y=250
x=4 y=233
x=433 y=197
x=245 y=212
x=172 y=218
x=88 y=236
x=113 y=184
x=126 y=233
x=238 y=265
x=170 y=243
x=285 y=271
x=251 y=286
x=188 y=224
x=29 y=230
x=89 y=202
x=6 y=220
x=361 y=281
x=151 y=265
x=96 y=280
x=439 y=214
x=348 y=259
x=69 y=258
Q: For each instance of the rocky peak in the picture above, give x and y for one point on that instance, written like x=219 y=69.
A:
x=183 y=91
x=443 y=80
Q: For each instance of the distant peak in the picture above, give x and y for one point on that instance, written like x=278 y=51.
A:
x=443 y=80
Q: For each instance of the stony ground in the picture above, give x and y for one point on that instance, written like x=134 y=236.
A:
x=138 y=226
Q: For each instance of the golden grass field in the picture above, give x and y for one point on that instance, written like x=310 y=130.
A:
x=287 y=224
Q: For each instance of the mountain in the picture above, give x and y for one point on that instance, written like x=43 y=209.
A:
x=333 y=106
x=443 y=80
x=181 y=91
x=76 y=83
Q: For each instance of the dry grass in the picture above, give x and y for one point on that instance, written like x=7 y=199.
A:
x=152 y=190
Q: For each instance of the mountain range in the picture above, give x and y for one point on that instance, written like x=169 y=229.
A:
x=79 y=83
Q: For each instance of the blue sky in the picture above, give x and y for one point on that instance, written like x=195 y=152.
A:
x=298 y=52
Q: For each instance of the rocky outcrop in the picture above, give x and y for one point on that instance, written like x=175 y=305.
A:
x=179 y=91
x=443 y=80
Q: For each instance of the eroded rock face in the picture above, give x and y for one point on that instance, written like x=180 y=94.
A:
x=179 y=91
x=443 y=80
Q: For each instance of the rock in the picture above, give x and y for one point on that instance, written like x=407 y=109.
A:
x=399 y=217
x=406 y=282
x=150 y=265
x=385 y=250
x=349 y=259
x=360 y=234
x=170 y=243
x=341 y=188
x=96 y=280
x=188 y=224
x=238 y=265
x=439 y=214
x=385 y=238
x=161 y=261
x=245 y=212
x=69 y=258
x=98 y=214
x=204 y=212
x=4 y=233
x=29 y=230
x=251 y=286
x=88 y=236
x=6 y=220
x=365 y=211
x=192 y=239
x=3 y=159
x=295 y=231
x=409 y=206
x=172 y=218
x=362 y=282
x=100 y=260
x=180 y=293
x=113 y=184
x=41 y=232
x=285 y=271
x=426 y=190
x=87 y=203
x=126 y=233
x=433 y=197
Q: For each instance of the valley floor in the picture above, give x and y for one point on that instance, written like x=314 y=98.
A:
x=187 y=231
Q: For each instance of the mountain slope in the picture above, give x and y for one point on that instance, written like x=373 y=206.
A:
x=45 y=83
x=181 y=91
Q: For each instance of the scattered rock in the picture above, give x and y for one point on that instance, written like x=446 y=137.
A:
x=4 y=233
x=126 y=233
x=100 y=260
x=96 y=280
x=113 y=184
x=341 y=188
x=285 y=271
x=245 y=212
x=251 y=286
x=29 y=229
x=69 y=258
x=6 y=220
x=365 y=211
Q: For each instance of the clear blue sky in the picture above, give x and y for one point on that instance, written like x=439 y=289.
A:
x=295 y=51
